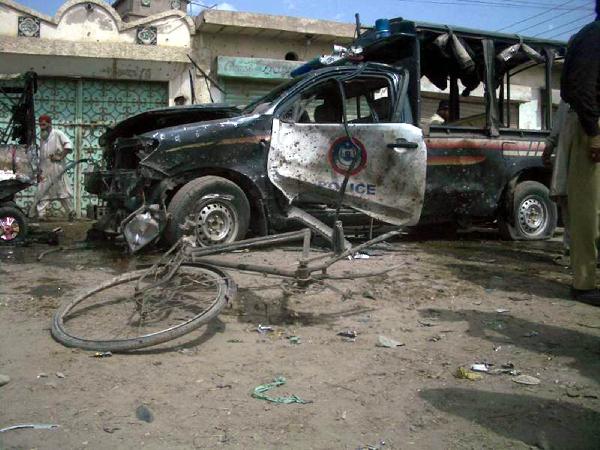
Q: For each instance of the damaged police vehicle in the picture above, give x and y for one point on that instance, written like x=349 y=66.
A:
x=347 y=139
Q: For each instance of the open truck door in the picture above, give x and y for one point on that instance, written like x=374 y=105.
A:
x=311 y=152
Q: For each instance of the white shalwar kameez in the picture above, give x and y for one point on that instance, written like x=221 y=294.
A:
x=54 y=144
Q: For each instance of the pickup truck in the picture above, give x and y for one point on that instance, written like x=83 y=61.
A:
x=218 y=171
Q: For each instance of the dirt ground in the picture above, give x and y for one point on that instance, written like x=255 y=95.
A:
x=451 y=302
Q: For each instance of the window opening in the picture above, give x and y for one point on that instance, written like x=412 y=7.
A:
x=368 y=100
x=291 y=56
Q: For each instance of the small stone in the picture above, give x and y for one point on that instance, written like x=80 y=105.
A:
x=60 y=375
x=4 y=379
x=42 y=375
x=369 y=294
x=143 y=413
x=51 y=385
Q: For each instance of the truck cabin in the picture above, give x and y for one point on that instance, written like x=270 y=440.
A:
x=490 y=81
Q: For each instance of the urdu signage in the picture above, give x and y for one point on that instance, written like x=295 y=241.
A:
x=272 y=69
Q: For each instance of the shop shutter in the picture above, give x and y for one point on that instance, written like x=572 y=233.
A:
x=241 y=91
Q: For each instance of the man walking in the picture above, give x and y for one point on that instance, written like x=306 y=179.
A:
x=54 y=147
x=580 y=89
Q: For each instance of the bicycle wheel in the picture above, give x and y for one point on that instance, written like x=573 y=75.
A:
x=114 y=316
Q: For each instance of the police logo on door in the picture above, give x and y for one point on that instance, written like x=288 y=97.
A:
x=342 y=153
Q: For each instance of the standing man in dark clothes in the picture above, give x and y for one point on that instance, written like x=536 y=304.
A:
x=580 y=88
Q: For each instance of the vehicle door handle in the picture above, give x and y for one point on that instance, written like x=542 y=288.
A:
x=403 y=143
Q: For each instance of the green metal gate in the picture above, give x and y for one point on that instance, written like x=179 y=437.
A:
x=82 y=108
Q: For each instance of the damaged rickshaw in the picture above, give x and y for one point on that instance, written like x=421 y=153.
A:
x=17 y=147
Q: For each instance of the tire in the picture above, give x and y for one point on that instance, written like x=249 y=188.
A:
x=13 y=225
x=225 y=286
x=534 y=215
x=219 y=205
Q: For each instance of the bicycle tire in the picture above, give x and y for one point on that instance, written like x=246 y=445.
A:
x=227 y=291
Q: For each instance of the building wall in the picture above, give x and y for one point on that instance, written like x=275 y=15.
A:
x=89 y=39
x=95 y=21
x=210 y=46
x=135 y=9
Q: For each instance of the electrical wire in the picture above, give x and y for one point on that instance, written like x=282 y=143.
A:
x=508 y=4
x=539 y=23
x=568 y=32
x=533 y=17
x=587 y=17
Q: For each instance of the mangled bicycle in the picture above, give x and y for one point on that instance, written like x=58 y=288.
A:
x=184 y=290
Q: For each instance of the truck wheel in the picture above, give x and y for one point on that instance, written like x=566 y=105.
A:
x=217 y=206
x=534 y=215
x=13 y=225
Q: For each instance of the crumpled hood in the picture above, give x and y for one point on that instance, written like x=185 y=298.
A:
x=184 y=147
x=167 y=117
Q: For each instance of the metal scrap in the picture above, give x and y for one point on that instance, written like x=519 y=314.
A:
x=259 y=393
x=33 y=426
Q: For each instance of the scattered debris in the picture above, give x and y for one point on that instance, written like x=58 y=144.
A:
x=505 y=369
x=224 y=386
x=234 y=341
x=33 y=426
x=294 y=339
x=4 y=379
x=42 y=375
x=142 y=412
x=264 y=329
x=435 y=338
x=110 y=429
x=373 y=447
x=531 y=334
x=259 y=393
x=428 y=323
x=358 y=256
x=498 y=348
x=383 y=341
x=348 y=335
x=526 y=379
x=102 y=355
x=466 y=374
x=502 y=310
x=479 y=367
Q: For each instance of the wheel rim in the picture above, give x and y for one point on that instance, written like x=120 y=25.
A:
x=216 y=223
x=533 y=216
x=112 y=313
x=9 y=228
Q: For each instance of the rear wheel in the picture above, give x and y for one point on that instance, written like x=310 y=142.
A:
x=213 y=209
x=13 y=225
x=534 y=215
